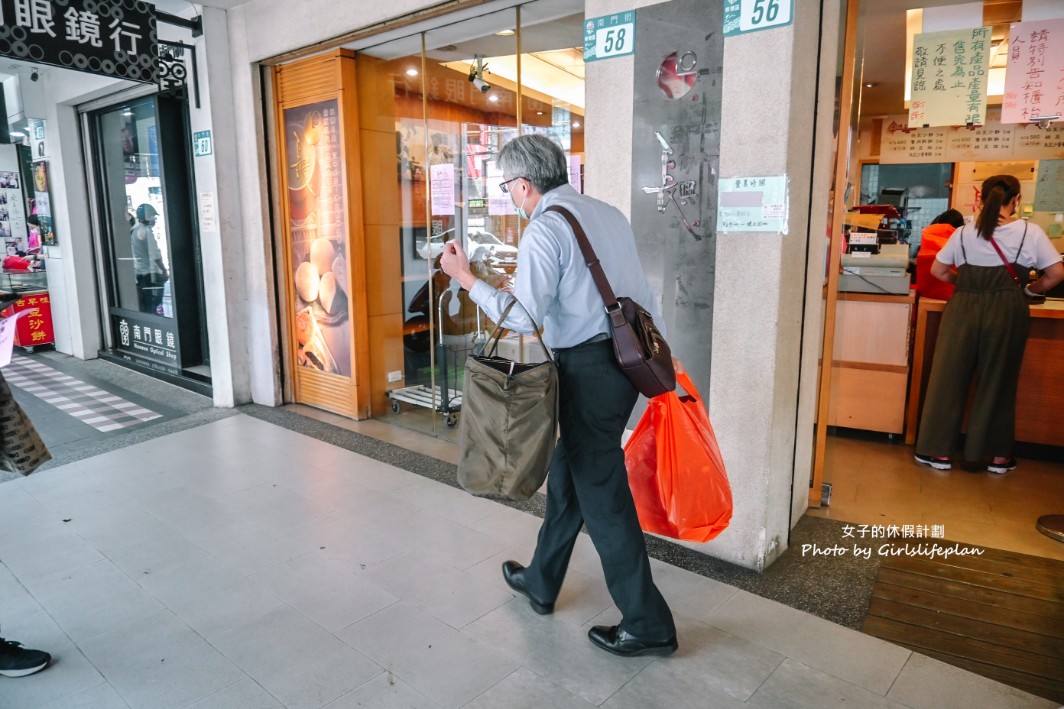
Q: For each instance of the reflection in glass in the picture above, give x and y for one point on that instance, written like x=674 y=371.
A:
x=129 y=142
x=452 y=99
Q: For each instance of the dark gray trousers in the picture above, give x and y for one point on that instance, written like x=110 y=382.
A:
x=588 y=484
x=982 y=337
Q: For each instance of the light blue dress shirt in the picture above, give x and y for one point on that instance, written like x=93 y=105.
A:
x=553 y=282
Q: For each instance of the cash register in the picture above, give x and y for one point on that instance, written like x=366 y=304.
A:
x=875 y=264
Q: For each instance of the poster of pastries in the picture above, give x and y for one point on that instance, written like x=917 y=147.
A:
x=322 y=327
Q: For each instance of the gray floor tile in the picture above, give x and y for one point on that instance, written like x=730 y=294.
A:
x=249 y=546
x=687 y=593
x=447 y=502
x=102 y=696
x=385 y=691
x=926 y=683
x=52 y=548
x=245 y=694
x=525 y=689
x=724 y=662
x=274 y=505
x=661 y=685
x=798 y=686
x=556 y=649
x=19 y=509
x=847 y=654
x=455 y=597
x=93 y=599
x=429 y=655
x=187 y=508
x=446 y=541
x=208 y=596
x=336 y=536
x=160 y=662
x=294 y=659
x=330 y=591
x=509 y=523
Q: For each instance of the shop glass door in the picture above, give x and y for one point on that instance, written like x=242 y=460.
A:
x=453 y=97
x=149 y=244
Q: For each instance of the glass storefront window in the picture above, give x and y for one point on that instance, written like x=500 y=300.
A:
x=450 y=98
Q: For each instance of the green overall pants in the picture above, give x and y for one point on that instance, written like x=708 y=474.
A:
x=983 y=335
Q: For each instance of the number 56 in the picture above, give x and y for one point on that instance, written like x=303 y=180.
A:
x=762 y=12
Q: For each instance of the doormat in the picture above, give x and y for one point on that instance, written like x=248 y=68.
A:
x=999 y=614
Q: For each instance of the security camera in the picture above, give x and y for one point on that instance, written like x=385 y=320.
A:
x=476 y=74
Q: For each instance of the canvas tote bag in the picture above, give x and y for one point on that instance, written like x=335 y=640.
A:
x=509 y=422
x=21 y=449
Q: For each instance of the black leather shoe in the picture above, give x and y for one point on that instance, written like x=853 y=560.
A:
x=514 y=575
x=613 y=639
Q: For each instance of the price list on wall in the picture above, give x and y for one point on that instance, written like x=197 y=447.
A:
x=993 y=141
x=901 y=144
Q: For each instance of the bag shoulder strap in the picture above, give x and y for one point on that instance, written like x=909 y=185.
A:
x=495 y=336
x=599 y=276
x=1001 y=254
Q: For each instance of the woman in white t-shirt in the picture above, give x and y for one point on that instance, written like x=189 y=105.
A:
x=984 y=329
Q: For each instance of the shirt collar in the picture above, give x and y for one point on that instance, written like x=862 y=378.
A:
x=555 y=195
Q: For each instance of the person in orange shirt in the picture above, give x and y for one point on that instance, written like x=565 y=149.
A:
x=932 y=239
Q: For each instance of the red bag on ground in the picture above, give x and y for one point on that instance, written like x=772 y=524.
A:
x=675 y=470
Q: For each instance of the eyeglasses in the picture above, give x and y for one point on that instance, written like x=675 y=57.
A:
x=503 y=185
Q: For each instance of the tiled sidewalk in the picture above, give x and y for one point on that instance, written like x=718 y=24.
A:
x=239 y=564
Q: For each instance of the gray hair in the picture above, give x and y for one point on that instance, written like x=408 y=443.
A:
x=538 y=159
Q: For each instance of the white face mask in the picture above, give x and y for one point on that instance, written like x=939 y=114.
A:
x=520 y=209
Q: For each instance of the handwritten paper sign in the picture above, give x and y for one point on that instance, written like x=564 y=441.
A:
x=7 y=335
x=1034 y=77
x=442 y=181
x=950 y=71
x=1049 y=189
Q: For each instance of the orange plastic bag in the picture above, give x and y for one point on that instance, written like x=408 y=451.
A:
x=675 y=470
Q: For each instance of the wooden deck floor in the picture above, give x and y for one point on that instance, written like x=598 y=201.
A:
x=999 y=614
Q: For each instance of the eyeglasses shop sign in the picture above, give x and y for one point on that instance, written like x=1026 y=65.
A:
x=109 y=37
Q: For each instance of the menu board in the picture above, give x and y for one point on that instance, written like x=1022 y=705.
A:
x=993 y=141
x=1034 y=77
x=1049 y=187
x=901 y=144
x=319 y=237
x=949 y=78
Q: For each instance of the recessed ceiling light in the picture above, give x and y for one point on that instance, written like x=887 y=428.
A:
x=505 y=33
x=411 y=71
x=870 y=85
x=493 y=98
x=539 y=113
x=576 y=124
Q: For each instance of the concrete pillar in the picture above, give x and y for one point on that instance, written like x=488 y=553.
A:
x=758 y=312
x=222 y=244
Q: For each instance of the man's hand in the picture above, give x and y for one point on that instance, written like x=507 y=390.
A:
x=455 y=263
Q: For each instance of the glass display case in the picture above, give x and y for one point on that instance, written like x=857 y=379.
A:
x=25 y=294
x=18 y=282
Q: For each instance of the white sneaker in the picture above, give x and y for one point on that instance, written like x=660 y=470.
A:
x=1002 y=468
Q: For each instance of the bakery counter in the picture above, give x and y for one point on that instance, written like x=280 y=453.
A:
x=1040 y=397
